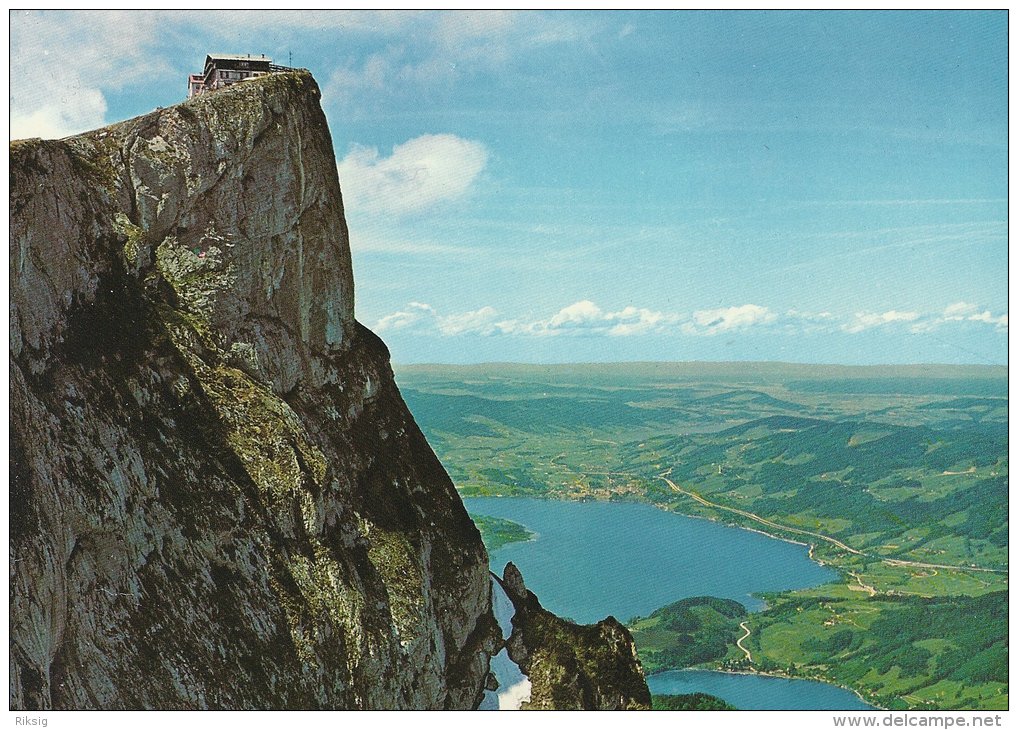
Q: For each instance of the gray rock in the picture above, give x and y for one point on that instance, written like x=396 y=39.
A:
x=572 y=666
x=512 y=582
x=218 y=498
x=490 y=683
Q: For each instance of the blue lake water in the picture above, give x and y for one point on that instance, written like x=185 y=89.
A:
x=754 y=692
x=592 y=559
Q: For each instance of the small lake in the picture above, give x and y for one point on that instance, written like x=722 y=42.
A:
x=592 y=559
x=755 y=692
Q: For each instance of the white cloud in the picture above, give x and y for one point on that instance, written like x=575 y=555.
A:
x=919 y=323
x=492 y=38
x=63 y=63
x=435 y=50
x=418 y=174
x=796 y=321
x=479 y=322
x=965 y=312
x=423 y=318
x=809 y=316
x=633 y=321
x=414 y=315
x=715 y=321
x=989 y=318
x=55 y=118
x=866 y=320
x=580 y=314
x=959 y=311
x=581 y=318
x=228 y=22
x=585 y=318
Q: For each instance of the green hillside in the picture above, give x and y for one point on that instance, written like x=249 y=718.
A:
x=897 y=476
x=688 y=632
x=901 y=652
x=696 y=702
x=497 y=532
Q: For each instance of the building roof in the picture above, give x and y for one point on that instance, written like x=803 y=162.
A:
x=237 y=57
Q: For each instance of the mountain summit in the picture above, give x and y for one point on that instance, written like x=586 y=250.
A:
x=218 y=497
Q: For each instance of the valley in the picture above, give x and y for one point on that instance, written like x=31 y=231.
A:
x=896 y=476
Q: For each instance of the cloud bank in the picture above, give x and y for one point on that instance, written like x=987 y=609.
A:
x=585 y=318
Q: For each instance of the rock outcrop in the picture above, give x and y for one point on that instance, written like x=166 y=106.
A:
x=218 y=498
x=572 y=667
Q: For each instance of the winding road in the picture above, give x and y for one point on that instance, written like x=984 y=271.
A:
x=819 y=536
x=749 y=657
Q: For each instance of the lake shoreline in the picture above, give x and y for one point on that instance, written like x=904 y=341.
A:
x=794 y=570
x=535 y=535
x=773 y=675
x=709 y=518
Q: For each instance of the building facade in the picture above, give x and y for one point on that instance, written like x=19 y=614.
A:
x=224 y=69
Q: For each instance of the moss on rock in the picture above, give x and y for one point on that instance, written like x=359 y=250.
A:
x=237 y=517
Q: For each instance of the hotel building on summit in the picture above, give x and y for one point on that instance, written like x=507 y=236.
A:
x=225 y=69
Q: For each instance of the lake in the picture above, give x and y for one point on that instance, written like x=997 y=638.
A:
x=592 y=559
x=755 y=692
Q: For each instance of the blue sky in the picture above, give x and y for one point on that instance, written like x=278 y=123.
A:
x=563 y=187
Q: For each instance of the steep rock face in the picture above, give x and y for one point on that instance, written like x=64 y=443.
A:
x=572 y=667
x=218 y=497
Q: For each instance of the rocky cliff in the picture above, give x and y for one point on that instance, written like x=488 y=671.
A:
x=572 y=667
x=218 y=498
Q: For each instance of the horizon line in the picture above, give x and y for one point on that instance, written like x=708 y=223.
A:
x=499 y=363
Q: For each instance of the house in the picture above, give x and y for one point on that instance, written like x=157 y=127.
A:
x=224 y=69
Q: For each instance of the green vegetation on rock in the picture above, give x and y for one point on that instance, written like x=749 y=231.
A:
x=209 y=458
